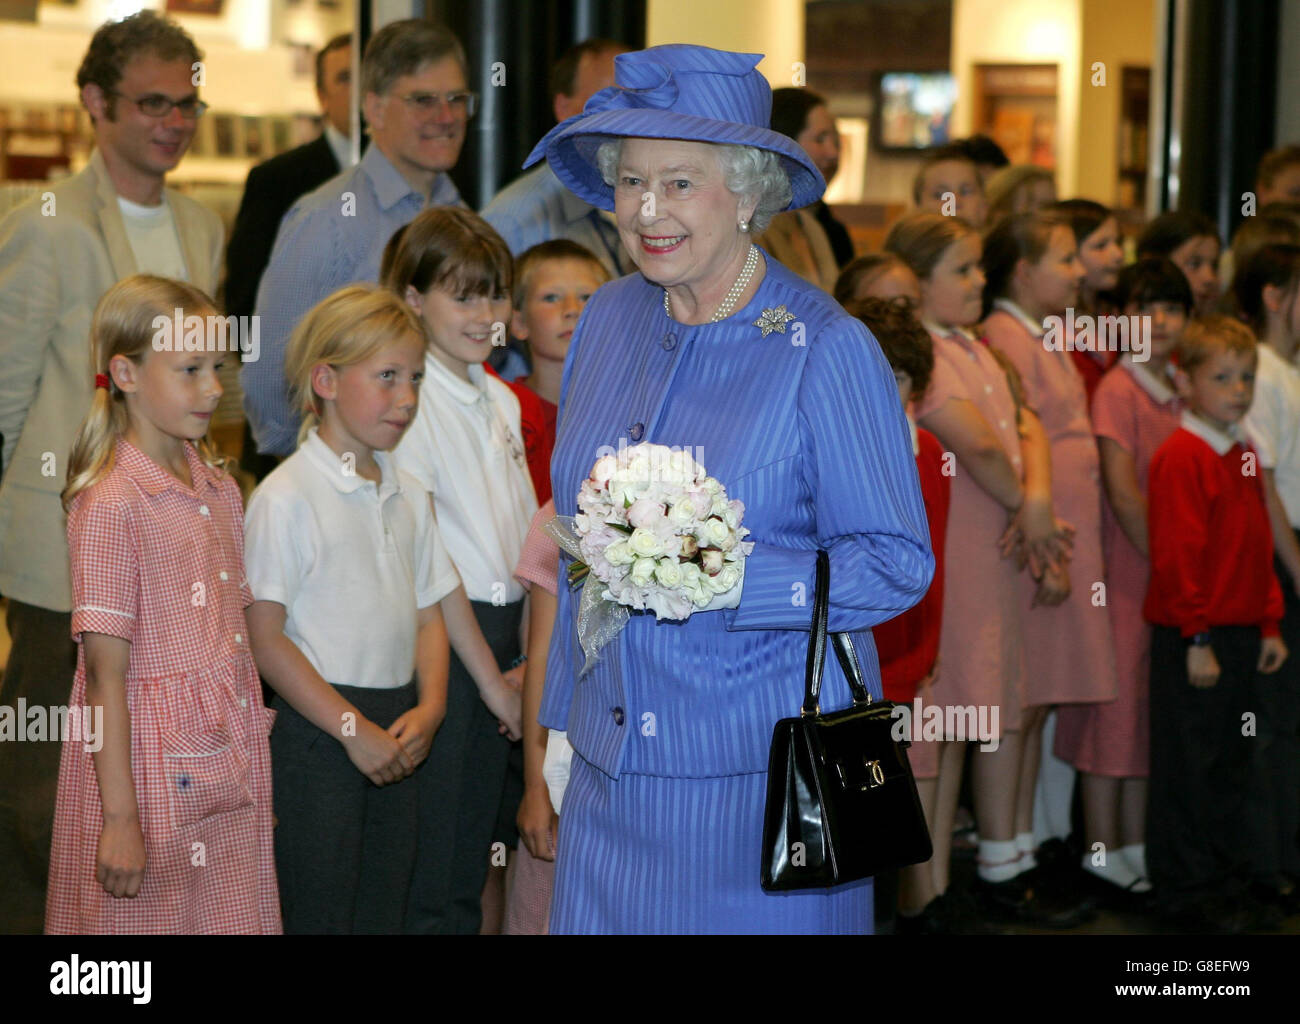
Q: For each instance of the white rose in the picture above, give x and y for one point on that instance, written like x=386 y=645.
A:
x=668 y=572
x=713 y=532
x=643 y=569
x=620 y=553
x=711 y=560
x=701 y=593
x=603 y=470
x=682 y=514
x=690 y=574
x=645 y=542
x=710 y=486
x=725 y=580
x=729 y=516
x=729 y=543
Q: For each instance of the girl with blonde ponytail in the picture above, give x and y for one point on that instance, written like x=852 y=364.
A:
x=172 y=756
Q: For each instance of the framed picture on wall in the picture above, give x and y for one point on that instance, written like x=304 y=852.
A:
x=253 y=138
x=223 y=130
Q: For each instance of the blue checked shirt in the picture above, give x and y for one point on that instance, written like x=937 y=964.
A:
x=537 y=208
x=329 y=238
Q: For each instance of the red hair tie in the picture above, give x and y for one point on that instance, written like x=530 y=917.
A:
x=101 y=380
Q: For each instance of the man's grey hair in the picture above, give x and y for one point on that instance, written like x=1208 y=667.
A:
x=403 y=48
x=747 y=171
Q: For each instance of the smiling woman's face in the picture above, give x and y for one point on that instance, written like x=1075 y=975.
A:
x=675 y=215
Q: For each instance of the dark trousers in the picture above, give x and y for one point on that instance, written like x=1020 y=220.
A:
x=344 y=847
x=1198 y=817
x=42 y=663
x=460 y=793
x=1275 y=787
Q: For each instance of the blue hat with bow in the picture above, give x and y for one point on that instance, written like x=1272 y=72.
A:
x=675 y=91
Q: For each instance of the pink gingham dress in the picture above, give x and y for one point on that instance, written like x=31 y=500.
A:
x=162 y=566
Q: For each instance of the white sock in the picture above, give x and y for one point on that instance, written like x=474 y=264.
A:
x=1136 y=855
x=1117 y=871
x=1025 y=846
x=998 y=860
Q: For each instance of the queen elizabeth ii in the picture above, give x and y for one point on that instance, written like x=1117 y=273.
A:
x=716 y=349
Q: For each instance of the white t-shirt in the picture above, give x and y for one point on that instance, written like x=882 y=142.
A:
x=1273 y=424
x=352 y=563
x=151 y=230
x=466 y=447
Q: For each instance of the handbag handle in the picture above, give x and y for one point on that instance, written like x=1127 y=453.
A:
x=844 y=651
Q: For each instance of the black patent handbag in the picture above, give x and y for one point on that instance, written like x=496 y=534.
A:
x=841 y=801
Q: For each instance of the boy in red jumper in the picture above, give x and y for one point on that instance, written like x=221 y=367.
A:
x=1215 y=604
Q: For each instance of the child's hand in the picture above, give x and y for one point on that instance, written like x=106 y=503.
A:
x=119 y=862
x=1053 y=587
x=538 y=822
x=378 y=756
x=1272 y=652
x=416 y=728
x=507 y=704
x=1203 y=666
x=514 y=678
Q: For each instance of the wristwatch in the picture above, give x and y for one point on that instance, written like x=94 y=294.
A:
x=1200 y=640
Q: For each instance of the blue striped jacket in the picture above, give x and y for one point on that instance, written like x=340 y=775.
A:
x=805 y=427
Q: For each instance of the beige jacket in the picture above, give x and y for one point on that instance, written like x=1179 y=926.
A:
x=797 y=240
x=58 y=255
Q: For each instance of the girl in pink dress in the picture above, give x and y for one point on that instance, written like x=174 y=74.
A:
x=1033 y=270
x=970 y=407
x=163 y=820
x=1133 y=412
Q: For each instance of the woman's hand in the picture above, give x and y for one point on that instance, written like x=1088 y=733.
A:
x=1203 y=666
x=120 y=858
x=538 y=822
x=1035 y=536
x=416 y=728
x=378 y=756
x=1272 y=652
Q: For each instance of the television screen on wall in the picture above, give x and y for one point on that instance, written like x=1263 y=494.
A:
x=914 y=109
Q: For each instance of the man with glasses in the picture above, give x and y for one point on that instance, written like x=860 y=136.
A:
x=59 y=253
x=417 y=104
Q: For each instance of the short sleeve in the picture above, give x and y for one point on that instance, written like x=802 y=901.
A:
x=414 y=453
x=1113 y=414
x=105 y=567
x=539 y=561
x=435 y=574
x=274 y=533
x=945 y=384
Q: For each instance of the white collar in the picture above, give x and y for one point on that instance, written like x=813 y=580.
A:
x=1221 y=443
x=947 y=332
x=916 y=438
x=340 y=145
x=332 y=466
x=465 y=392
x=1007 y=306
x=1155 y=387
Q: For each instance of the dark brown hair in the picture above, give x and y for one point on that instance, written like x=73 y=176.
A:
x=337 y=43
x=403 y=48
x=906 y=344
x=449 y=248
x=1024 y=236
x=116 y=43
x=564 y=73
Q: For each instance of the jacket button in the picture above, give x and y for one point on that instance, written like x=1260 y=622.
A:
x=669 y=343
x=618 y=715
x=635 y=431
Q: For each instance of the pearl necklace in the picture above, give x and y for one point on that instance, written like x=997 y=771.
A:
x=728 y=304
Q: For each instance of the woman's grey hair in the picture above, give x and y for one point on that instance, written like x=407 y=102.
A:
x=748 y=172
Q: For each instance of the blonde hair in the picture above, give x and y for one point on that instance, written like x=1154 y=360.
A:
x=123 y=325
x=1207 y=336
x=343 y=329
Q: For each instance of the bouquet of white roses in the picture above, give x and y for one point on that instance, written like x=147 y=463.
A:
x=654 y=532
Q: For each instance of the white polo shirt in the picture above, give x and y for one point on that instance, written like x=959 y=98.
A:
x=467 y=449
x=352 y=563
x=1273 y=425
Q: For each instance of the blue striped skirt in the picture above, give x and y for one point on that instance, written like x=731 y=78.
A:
x=646 y=854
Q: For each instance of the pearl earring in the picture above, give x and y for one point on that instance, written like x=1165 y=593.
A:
x=744 y=225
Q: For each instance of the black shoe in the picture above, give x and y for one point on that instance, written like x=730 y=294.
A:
x=1066 y=888
x=1018 y=901
x=1206 y=912
x=949 y=914
x=1128 y=900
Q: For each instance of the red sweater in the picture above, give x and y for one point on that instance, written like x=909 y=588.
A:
x=1211 y=543
x=537 y=421
x=909 y=643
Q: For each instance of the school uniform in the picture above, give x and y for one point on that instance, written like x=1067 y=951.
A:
x=352 y=563
x=465 y=448
x=1273 y=425
x=1211 y=571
